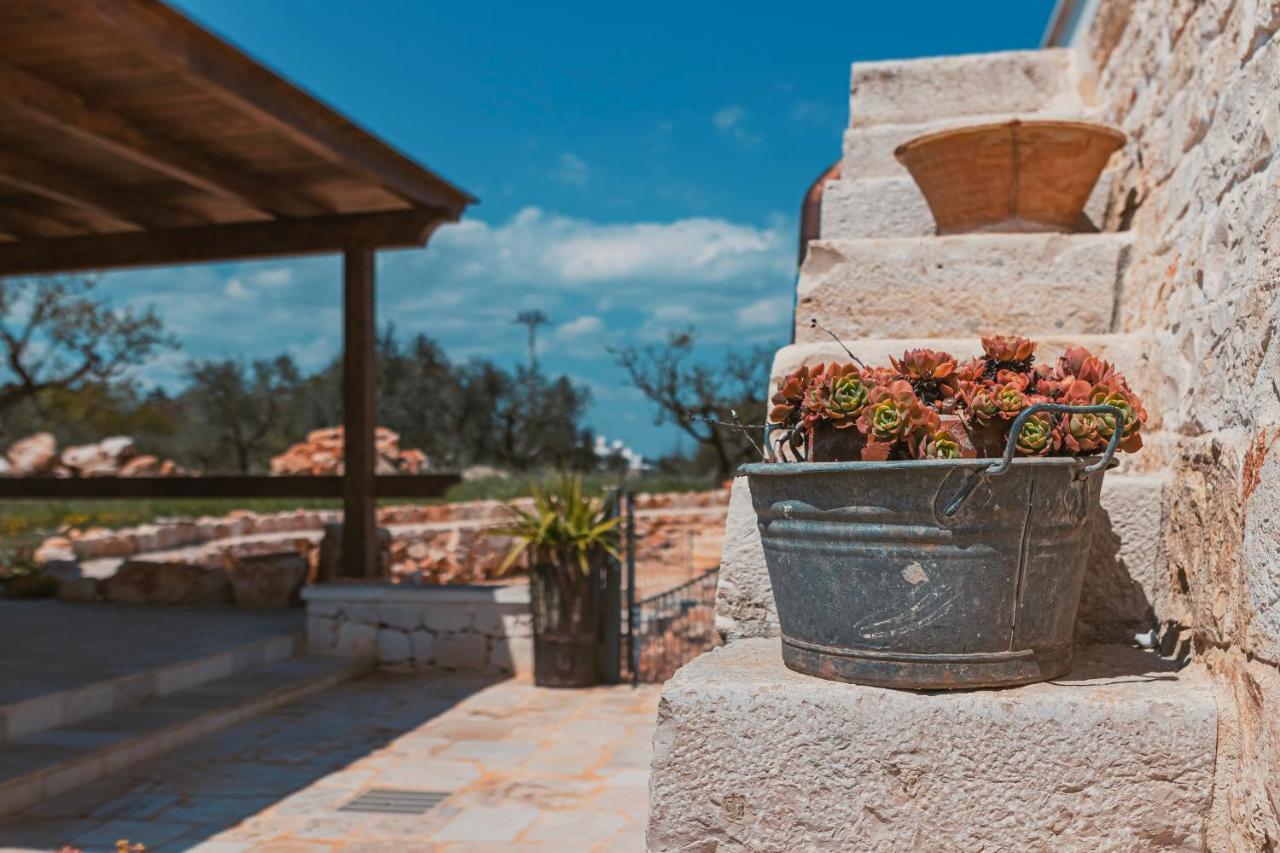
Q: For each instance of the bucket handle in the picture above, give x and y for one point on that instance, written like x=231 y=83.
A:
x=1011 y=447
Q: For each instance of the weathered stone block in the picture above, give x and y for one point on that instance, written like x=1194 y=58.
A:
x=751 y=756
x=149 y=582
x=894 y=207
x=393 y=647
x=915 y=90
x=514 y=622
x=423 y=645
x=511 y=656
x=1126 y=582
x=448 y=617
x=267 y=581
x=461 y=651
x=961 y=285
x=358 y=641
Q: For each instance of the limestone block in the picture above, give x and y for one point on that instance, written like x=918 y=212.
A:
x=894 y=207
x=744 y=598
x=751 y=756
x=961 y=285
x=497 y=621
x=322 y=634
x=1130 y=353
x=423 y=644
x=406 y=617
x=448 y=617
x=267 y=581
x=511 y=656
x=393 y=647
x=167 y=583
x=461 y=651
x=913 y=90
x=868 y=150
x=1126 y=585
x=358 y=641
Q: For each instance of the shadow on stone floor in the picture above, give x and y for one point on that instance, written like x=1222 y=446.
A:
x=296 y=759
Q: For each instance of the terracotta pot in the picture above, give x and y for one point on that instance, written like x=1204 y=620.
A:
x=1016 y=176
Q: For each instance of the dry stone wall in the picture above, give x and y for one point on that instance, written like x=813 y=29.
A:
x=1194 y=85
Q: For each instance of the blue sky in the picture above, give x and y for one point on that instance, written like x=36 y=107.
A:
x=639 y=170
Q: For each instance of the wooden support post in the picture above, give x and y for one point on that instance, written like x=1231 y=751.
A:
x=359 y=404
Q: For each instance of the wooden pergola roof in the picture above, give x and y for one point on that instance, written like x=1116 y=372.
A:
x=129 y=135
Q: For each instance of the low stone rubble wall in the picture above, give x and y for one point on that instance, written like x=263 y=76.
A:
x=463 y=628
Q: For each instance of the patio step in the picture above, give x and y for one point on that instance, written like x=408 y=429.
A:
x=961 y=286
x=901 y=91
x=748 y=755
x=37 y=766
x=39 y=713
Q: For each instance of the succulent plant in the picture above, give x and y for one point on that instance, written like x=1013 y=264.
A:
x=1113 y=394
x=1009 y=400
x=932 y=375
x=939 y=444
x=844 y=394
x=1036 y=436
x=1007 y=352
x=788 y=402
x=894 y=415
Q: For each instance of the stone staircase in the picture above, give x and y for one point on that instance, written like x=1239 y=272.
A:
x=59 y=739
x=751 y=756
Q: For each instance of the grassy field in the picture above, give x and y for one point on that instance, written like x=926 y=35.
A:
x=25 y=523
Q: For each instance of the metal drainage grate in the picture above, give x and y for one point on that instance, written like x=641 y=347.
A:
x=391 y=801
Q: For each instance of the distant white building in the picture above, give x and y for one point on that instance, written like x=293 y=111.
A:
x=605 y=450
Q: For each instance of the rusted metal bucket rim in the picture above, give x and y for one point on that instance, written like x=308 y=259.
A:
x=765 y=469
x=1117 y=137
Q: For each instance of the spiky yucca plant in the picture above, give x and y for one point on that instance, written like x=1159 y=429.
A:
x=563 y=528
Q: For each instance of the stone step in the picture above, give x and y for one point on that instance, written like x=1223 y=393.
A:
x=29 y=716
x=38 y=766
x=1128 y=352
x=963 y=285
x=868 y=151
x=893 y=207
x=901 y=91
x=748 y=755
x=1125 y=587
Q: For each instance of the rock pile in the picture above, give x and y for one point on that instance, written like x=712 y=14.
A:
x=37 y=456
x=321 y=454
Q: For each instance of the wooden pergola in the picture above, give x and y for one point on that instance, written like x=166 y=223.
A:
x=130 y=136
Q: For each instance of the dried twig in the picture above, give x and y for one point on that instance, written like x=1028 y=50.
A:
x=814 y=324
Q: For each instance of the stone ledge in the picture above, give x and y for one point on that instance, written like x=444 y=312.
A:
x=1126 y=584
x=411 y=593
x=894 y=207
x=921 y=89
x=867 y=152
x=751 y=756
x=960 y=286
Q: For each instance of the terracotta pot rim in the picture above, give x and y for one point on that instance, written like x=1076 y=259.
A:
x=1117 y=137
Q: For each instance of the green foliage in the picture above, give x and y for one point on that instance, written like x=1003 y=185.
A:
x=564 y=527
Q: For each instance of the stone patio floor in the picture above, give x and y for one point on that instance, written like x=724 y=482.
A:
x=525 y=769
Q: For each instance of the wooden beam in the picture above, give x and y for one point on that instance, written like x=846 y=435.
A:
x=27 y=224
x=51 y=182
x=359 y=416
x=301 y=488
x=208 y=243
x=234 y=78
x=66 y=112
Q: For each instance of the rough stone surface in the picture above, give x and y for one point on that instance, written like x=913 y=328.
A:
x=267 y=580
x=751 y=756
x=1193 y=84
x=927 y=287
x=1125 y=589
x=893 y=207
x=35 y=454
x=914 y=90
x=145 y=582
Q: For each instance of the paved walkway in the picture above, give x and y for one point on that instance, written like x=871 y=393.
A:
x=525 y=769
x=46 y=646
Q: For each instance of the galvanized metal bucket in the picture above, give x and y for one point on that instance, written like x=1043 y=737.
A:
x=934 y=574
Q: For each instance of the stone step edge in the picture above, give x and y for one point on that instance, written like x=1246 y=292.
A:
x=229 y=708
x=897 y=89
x=60 y=708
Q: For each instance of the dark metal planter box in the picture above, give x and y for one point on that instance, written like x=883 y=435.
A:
x=881 y=578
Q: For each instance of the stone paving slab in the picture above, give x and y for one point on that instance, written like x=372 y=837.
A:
x=526 y=769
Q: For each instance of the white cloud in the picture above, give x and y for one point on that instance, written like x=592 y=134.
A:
x=571 y=169
x=764 y=312
x=579 y=328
